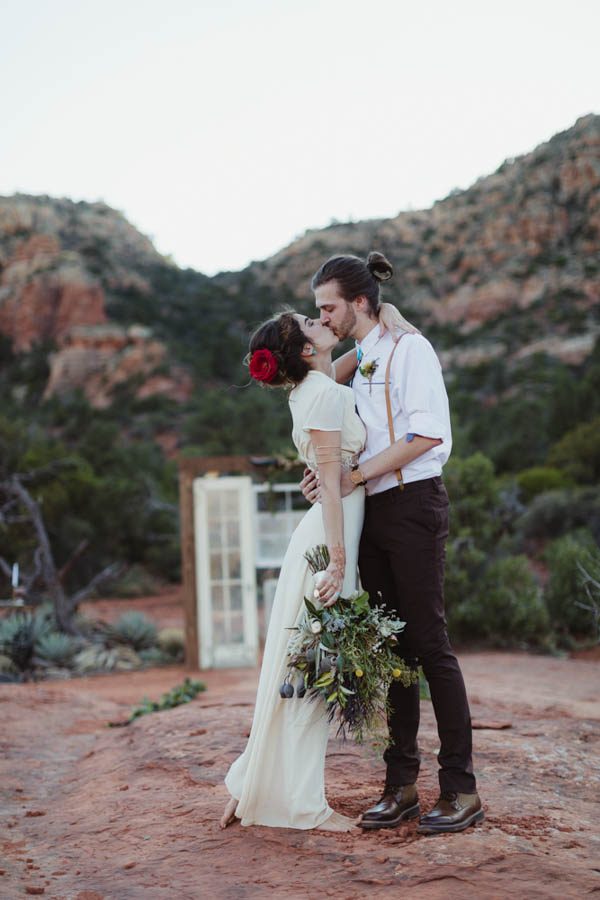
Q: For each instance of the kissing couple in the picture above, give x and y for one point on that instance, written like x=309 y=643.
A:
x=374 y=454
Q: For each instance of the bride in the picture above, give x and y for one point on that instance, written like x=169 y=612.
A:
x=279 y=778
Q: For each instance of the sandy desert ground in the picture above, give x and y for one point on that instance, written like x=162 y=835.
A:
x=90 y=812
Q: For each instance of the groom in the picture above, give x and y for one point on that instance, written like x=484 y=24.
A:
x=402 y=549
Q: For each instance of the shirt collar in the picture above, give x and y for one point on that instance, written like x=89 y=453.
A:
x=368 y=342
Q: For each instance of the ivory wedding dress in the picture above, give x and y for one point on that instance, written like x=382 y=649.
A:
x=279 y=778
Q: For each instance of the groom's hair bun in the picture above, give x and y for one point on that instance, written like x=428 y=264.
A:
x=379 y=267
x=356 y=277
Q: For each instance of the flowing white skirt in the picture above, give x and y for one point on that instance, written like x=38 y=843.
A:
x=279 y=778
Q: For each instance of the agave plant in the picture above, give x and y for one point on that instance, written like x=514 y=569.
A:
x=136 y=629
x=154 y=656
x=98 y=658
x=17 y=639
x=57 y=648
x=7 y=666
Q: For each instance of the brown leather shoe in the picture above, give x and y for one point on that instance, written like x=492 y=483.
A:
x=398 y=804
x=452 y=812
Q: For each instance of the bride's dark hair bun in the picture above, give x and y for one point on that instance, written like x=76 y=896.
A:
x=379 y=267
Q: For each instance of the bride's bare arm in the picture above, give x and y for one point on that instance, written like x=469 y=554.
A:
x=344 y=367
x=327 y=447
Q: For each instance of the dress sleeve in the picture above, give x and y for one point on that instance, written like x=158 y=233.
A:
x=326 y=411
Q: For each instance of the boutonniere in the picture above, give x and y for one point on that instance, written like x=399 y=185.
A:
x=368 y=369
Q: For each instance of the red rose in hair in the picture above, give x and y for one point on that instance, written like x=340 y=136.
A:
x=263 y=366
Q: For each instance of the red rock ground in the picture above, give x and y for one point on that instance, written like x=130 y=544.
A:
x=90 y=812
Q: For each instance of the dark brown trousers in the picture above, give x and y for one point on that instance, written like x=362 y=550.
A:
x=401 y=562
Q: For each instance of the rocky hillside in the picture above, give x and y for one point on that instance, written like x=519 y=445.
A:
x=114 y=361
x=499 y=276
x=511 y=265
x=64 y=268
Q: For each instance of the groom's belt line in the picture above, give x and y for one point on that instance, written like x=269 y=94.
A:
x=396 y=494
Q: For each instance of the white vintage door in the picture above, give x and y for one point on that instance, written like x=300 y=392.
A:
x=225 y=571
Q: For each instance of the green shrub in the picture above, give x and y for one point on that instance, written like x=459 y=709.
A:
x=565 y=593
x=473 y=494
x=136 y=629
x=507 y=609
x=539 y=479
x=465 y=564
x=172 y=643
x=578 y=452
x=555 y=513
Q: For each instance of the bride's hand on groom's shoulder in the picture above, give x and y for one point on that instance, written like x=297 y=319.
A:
x=392 y=320
x=310 y=486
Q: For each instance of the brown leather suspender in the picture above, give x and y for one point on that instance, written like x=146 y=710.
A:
x=388 y=403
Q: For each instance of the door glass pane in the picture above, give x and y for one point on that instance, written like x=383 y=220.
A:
x=236 y=628
x=231 y=506
x=216 y=566
x=235 y=564
x=218 y=598
x=214 y=533
x=232 y=532
x=219 y=630
x=213 y=502
x=235 y=597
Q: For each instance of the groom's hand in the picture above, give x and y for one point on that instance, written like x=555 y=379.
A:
x=310 y=486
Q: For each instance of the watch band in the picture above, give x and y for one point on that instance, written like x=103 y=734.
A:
x=355 y=470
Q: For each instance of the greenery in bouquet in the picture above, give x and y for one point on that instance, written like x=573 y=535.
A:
x=346 y=655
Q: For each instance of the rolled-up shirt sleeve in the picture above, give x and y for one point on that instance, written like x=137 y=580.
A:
x=421 y=390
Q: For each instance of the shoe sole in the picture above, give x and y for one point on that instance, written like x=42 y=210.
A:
x=410 y=813
x=452 y=829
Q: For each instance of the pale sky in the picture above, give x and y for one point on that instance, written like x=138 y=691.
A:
x=225 y=129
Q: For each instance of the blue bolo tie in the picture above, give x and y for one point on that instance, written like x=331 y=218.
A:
x=359 y=356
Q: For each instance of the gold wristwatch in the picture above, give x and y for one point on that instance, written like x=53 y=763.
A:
x=357 y=477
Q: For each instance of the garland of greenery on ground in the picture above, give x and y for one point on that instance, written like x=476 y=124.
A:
x=181 y=693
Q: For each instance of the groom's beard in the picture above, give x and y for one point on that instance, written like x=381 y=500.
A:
x=347 y=325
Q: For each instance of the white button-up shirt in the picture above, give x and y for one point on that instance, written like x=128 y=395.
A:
x=419 y=403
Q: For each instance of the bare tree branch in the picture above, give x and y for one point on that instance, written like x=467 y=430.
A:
x=50 y=469
x=5 y=567
x=31 y=579
x=45 y=571
x=79 y=551
x=46 y=557
x=110 y=571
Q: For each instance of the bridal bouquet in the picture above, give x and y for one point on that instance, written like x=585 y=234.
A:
x=346 y=655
